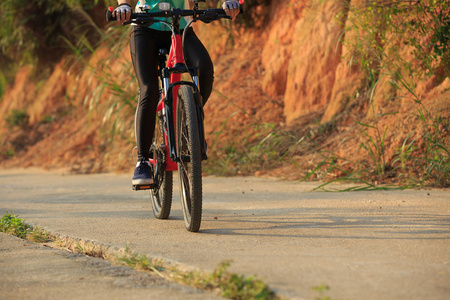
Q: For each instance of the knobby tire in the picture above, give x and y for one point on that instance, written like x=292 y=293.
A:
x=190 y=164
x=161 y=195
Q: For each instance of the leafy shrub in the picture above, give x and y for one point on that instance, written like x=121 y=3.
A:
x=17 y=118
x=32 y=30
x=2 y=84
x=11 y=224
x=383 y=30
x=378 y=33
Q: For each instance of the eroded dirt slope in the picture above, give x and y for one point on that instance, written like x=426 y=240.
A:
x=287 y=71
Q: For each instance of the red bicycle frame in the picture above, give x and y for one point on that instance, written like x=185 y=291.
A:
x=175 y=57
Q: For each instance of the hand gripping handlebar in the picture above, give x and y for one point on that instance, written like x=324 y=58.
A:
x=205 y=15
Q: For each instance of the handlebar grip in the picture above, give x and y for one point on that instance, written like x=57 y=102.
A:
x=109 y=16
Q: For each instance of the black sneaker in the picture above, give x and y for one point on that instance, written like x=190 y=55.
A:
x=142 y=174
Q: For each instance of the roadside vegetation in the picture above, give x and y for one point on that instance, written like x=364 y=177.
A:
x=221 y=281
x=376 y=35
x=13 y=225
x=36 y=32
x=377 y=32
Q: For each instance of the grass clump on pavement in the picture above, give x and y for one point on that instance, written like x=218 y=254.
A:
x=229 y=284
x=225 y=283
x=140 y=262
x=12 y=224
x=321 y=289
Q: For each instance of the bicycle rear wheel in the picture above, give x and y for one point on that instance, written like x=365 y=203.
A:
x=161 y=194
x=190 y=164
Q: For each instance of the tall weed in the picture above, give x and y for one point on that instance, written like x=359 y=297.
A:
x=258 y=146
x=378 y=29
x=111 y=80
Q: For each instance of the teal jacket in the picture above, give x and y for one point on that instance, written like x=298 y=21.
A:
x=183 y=4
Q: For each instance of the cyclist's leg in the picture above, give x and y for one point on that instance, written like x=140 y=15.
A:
x=144 y=46
x=197 y=56
x=144 y=51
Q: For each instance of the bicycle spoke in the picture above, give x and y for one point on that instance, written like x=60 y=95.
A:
x=189 y=154
x=161 y=195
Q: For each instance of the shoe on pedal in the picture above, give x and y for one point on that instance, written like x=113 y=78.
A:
x=143 y=173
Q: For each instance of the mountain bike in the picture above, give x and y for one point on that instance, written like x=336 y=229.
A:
x=179 y=138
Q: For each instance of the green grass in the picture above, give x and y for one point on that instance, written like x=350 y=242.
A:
x=17 y=118
x=140 y=261
x=231 y=285
x=12 y=224
x=259 y=146
x=228 y=284
x=9 y=152
x=321 y=290
x=421 y=160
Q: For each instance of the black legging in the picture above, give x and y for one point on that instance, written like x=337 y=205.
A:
x=144 y=46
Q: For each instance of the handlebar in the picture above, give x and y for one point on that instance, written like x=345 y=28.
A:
x=204 y=15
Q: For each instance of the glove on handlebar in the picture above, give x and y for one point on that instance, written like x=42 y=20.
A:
x=231 y=4
x=123 y=8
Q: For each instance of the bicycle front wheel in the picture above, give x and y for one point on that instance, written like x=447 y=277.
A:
x=190 y=163
x=161 y=194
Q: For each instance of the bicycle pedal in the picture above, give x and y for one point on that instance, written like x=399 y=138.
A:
x=142 y=187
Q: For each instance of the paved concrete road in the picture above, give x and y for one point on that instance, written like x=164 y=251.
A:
x=32 y=271
x=363 y=245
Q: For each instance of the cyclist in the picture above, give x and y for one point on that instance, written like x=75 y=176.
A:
x=144 y=45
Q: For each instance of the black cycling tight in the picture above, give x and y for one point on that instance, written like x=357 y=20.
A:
x=144 y=46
